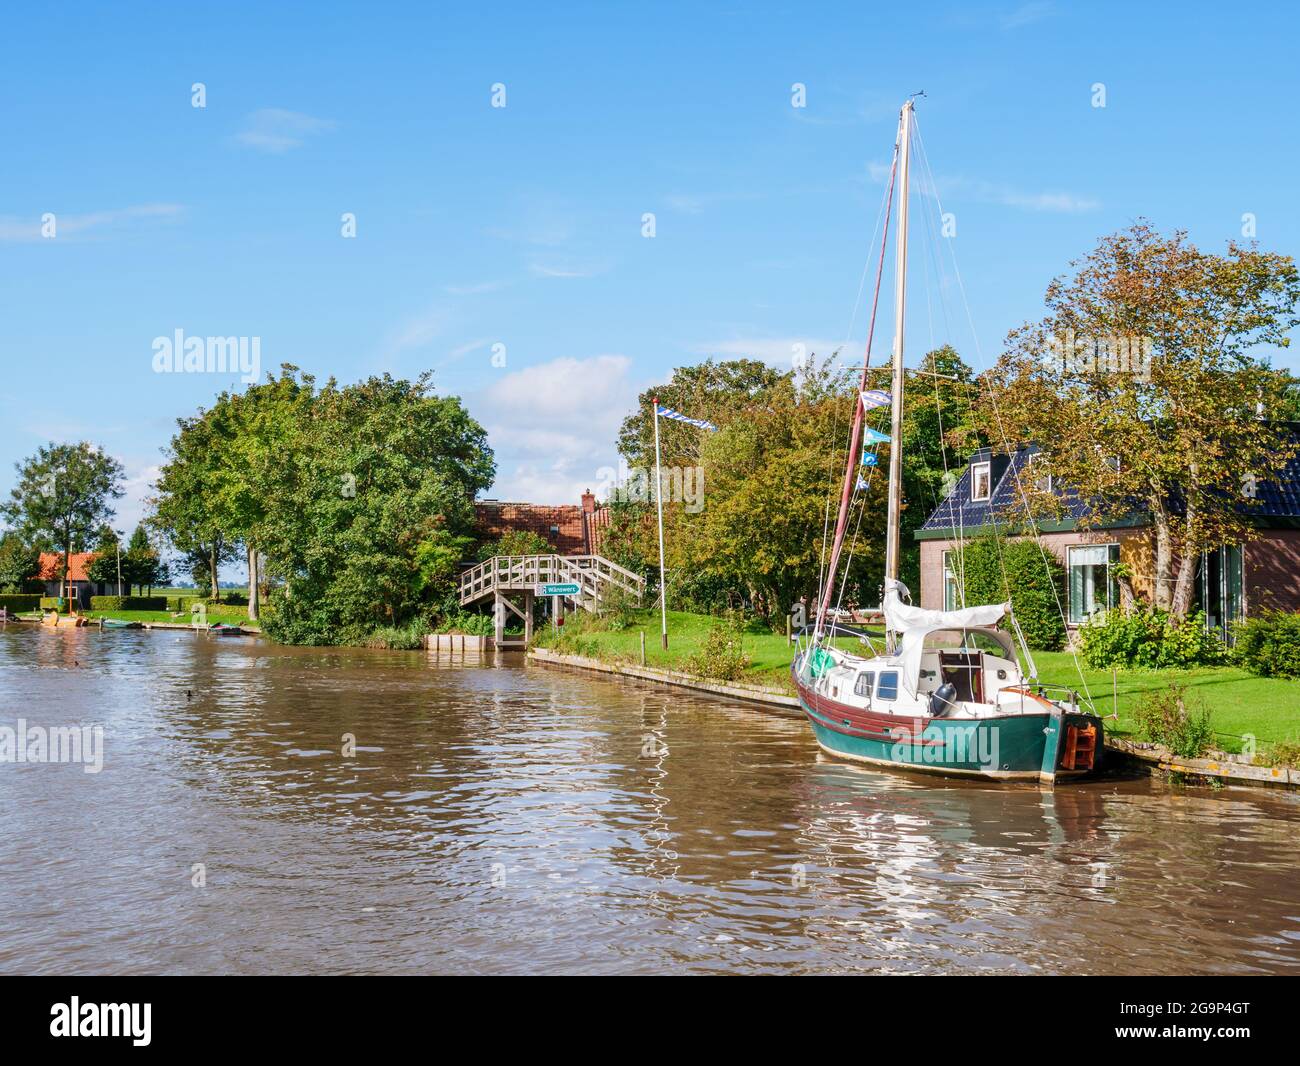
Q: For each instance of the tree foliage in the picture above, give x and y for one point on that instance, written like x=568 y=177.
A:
x=1145 y=388
x=64 y=495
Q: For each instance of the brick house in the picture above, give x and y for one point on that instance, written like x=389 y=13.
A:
x=572 y=529
x=51 y=570
x=1231 y=581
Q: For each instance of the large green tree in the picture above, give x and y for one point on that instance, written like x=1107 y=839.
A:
x=191 y=501
x=64 y=494
x=19 y=561
x=1148 y=389
x=373 y=510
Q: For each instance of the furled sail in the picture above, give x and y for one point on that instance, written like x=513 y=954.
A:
x=914 y=624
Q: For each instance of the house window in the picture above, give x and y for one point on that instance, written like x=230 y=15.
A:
x=951 y=589
x=981 y=481
x=888 y=687
x=1092 y=582
x=863 y=685
x=1219 y=589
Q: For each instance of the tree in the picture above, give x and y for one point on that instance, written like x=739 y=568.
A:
x=716 y=392
x=372 y=509
x=190 y=508
x=64 y=492
x=19 y=562
x=108 y=565
x=142 y=565
x=1144 y=389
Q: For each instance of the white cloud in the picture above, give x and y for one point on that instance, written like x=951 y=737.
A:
x=475 y=288
x=418 y=330
x=137 y=488
x=16 y=228
x=565 y=269
x=1027 y=14
x=273 y=129
x=959 y=187
x=554 y=426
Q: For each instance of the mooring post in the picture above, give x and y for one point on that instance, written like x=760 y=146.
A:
x=789 y=629
x=643 y=647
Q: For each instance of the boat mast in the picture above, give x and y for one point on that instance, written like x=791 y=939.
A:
x=896 y=392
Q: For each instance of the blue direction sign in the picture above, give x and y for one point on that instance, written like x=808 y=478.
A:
x=563 y=589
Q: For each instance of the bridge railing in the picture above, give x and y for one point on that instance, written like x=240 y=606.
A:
x=593 y=574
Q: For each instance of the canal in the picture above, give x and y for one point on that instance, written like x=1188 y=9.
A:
x=501 y=818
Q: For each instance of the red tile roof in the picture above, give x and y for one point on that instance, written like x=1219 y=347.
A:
x=51 y=567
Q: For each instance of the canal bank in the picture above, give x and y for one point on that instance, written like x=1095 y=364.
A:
x=1221 y=768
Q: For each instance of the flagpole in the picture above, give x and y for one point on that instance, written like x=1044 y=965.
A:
x=659 y=503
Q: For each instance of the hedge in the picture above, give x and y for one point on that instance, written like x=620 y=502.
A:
x=20 y=602
x=128 y=603
x=1269 y=644
x=996 y=569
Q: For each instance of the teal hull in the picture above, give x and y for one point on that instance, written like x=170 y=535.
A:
x=1013 y=747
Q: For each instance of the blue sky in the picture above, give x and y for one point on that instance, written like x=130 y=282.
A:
x=522 y=226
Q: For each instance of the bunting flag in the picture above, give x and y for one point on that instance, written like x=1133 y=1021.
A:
x=874 y=436
x=869 y=459
x=668 y=412
x=872 y=398
x=862 y=483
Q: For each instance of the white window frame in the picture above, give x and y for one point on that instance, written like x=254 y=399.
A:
x=975 y=469
x=1069 y=581
x=950 y=577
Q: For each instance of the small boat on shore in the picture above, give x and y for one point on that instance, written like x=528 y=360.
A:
x=118 y=623
x=224 y=629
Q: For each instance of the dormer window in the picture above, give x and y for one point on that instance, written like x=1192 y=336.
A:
x=1040 y=473
x=981 y=481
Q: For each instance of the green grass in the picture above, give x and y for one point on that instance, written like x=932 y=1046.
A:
x=1239 y=702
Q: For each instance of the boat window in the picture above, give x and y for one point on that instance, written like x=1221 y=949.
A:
x=863 y=686
x=888 y=687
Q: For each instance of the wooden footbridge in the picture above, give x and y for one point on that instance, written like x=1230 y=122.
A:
x=584 y=581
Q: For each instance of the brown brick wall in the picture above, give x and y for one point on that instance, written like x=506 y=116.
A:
x=495 y=518
x=1271 y=568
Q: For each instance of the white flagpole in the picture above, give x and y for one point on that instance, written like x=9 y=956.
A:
x=659 y=501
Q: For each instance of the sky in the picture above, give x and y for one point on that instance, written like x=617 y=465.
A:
x=504 y=247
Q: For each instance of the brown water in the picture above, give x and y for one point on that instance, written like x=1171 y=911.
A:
x=498 y=817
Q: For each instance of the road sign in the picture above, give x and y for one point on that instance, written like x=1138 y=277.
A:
x=562 y=589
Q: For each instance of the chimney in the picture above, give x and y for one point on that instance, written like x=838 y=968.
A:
x=588 y=502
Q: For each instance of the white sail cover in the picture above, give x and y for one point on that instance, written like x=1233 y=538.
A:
x=914 y=624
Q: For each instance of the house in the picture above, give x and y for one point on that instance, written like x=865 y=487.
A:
x=573 y=529
x=50 y=572
x=1231 y=582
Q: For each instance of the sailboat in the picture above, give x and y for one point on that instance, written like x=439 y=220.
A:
x=947 y=693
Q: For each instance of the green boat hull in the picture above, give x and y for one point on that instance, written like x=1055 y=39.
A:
x=1013 y=747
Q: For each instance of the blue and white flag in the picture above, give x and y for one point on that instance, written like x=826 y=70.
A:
x=875 y=398
x=862 y=483
x=874 y=436
x=869 y=459
x=668 y=412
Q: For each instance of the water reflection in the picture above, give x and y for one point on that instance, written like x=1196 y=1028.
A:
x=502 y=818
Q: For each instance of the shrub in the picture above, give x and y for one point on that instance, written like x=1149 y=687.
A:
x=400 y=638
x=1284 y=753
x=52 y=603
x=1165 y=718
x=516 y=542
x=468 y=623
x=1149 y=637
x=1269 y=644
x=996 y=570
x=128 y=603
x=19 y=602
x=721 y=655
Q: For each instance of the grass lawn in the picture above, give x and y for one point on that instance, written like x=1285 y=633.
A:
x=1239 y=701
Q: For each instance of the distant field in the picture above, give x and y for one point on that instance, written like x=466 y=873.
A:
x=1239 y=701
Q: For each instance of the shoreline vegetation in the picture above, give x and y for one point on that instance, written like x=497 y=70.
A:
x=1242 y=704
